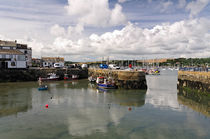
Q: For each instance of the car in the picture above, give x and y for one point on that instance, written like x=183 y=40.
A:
x=103 y=66
x=113 y=66
x=58 y=65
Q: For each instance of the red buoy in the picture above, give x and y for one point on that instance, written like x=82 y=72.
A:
x=46 y=106
x=129 y=109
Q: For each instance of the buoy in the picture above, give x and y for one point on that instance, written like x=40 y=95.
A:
x=129 y=109
x=46 y=106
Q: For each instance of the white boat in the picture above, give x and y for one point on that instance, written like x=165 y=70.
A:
x=50 y=76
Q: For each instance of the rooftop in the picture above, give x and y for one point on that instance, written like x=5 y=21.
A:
x=10 y=52
x=8 y=43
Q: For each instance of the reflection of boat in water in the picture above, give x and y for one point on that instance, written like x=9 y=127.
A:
x=43 y=87
x=50 y=77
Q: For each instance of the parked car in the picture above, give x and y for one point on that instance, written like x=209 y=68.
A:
x=113 y=66
x=103 y=66
x=58 y=65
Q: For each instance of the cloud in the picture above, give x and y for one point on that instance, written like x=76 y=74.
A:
x=181 y=3
x=189 y=37
x=165 y=5
x=95 y=13
x=195 y=7
x=57 y=30
x=122 y=1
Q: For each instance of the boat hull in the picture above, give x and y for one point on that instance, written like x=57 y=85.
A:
x=106 y=86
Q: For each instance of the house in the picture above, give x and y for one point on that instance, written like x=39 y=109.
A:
x=36 y=62
x=14 y=55
x=50 y=61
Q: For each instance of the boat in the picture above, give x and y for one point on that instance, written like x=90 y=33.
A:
x=42 y=88
x=103 y=83
x=153 y=72
x=92 y=79
x=74 y=76
x=99 y=80
x=50 y=77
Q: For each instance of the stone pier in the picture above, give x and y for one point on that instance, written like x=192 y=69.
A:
x=195 y=80
x=124 y=79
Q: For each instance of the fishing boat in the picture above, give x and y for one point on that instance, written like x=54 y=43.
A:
x=103 y=83
x=50 y=77
x=43 y=87
x=74 y=76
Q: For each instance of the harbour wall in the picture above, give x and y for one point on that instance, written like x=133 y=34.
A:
x=195 y=80
x=14 y=75
x=122 y=78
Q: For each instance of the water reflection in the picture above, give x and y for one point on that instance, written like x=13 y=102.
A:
x=14 y=100
x=162 y=90
x=194 y=100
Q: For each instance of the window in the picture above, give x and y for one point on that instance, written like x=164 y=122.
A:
x=21 y=58
x=3 y=56
x=13 y=63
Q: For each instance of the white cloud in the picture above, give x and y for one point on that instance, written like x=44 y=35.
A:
x=122 y=1
x=95 y=13
x=195 y=7
x=57 y=30
x=190 y=37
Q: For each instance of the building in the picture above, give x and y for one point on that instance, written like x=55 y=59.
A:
x=50 y=61
x=36 y=62
x=14 y=55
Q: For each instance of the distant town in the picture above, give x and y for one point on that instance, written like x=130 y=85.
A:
x=14 y=55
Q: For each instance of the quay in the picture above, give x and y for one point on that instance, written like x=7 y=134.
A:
x=195 y=80
x=123 y=79
x=14 y=75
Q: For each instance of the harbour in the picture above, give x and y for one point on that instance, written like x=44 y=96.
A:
x=77 y=109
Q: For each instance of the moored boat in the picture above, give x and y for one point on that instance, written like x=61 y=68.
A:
x=42 y=88
x=50 y=77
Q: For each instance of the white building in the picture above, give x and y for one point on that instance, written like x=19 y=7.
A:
x=50 y=61
x=14 y=55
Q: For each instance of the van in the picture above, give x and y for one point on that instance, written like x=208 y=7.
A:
x=113 y=66
x=58 y=65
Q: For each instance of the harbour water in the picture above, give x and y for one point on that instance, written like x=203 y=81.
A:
x=78 y=110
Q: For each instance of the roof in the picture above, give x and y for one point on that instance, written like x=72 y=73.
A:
x=10 y=52
x=7 y=43
x=53 y=59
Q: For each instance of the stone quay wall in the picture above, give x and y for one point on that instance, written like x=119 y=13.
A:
x=195 y=80
x=14 y=75
x=123 y=79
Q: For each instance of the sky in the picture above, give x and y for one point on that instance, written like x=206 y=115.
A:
x=89 y=30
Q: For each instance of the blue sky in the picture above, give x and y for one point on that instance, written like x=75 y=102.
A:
x=96 y=28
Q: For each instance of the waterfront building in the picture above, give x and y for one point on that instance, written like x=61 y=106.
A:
x=50 y=61
x=14 y=55
x=36 y=62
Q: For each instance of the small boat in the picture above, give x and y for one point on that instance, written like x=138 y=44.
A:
x=66 y=76
x=103 y=83
x=42 y=88
x=74 y=76
x=92 y=79
x=50 y=77
x=99 y=80
x=107 y=86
